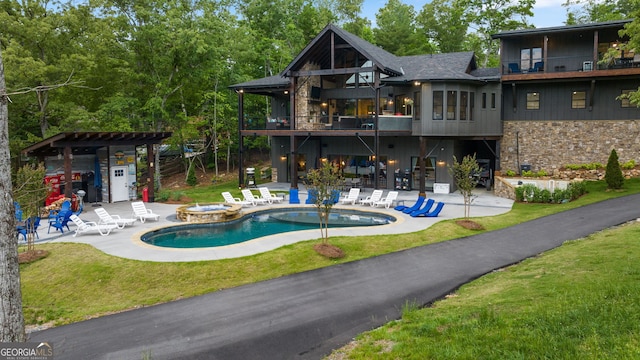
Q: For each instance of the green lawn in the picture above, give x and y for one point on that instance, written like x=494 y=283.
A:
x=579 y=301
x=76 y=282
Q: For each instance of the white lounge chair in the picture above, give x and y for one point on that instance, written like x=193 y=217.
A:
x=376 y=196
x=271 y=198
x=229 y=199
x=351 y=197
x=91 y=226
x=106 y=218
x=141 y=212
x=387 y=201
x=255 y=200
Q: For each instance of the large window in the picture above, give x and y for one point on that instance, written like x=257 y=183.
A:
x=533 y=101
x=472 y=105
x=438 y=103
x=528 y=58
x=416 y=105
x=464 y=104
x=578 y=99
x=452 y=103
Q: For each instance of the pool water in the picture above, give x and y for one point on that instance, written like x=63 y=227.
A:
x=257 y=225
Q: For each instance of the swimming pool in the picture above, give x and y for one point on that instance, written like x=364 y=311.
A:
x=257 y=225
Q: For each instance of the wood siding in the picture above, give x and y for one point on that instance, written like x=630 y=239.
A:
x=555 y=101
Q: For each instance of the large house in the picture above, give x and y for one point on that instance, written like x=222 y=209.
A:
x=346 y=101
x=375 y=115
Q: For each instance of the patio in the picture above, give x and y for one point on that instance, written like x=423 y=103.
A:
x=126 y=242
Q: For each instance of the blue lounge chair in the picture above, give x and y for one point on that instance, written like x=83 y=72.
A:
x=432 y=213
x=423 y=210
x=333 y=198
x=312 y=197
x=416 y=205
x=426 y=205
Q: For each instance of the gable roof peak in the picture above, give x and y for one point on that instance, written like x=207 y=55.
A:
x=384 y=60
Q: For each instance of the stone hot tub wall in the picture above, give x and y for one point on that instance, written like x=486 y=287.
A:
x=551 y=145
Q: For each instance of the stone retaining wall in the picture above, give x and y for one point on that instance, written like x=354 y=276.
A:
x=503 y=185
x=551 y=145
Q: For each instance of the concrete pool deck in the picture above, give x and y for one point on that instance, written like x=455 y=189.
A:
x=126 y=242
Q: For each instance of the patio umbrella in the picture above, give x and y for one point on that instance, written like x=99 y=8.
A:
x=97 y=177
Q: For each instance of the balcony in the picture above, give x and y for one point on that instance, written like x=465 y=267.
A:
x=568 y=67
x=388 y=123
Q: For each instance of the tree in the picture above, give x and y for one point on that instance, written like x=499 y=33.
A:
x=463 y=176
x=324 y=187
x=30 y=192
x=396 y=29
x=613 y=175
x=192 y=180
x=590 y=11
x=444 y=22
x=11 y=317
x=488 y=17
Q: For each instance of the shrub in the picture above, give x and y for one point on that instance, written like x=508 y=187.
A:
x=163 y=195
x=528 y=173
x=526 y=192
x=613 y=175
x=541 y=173
x=192 y=180
x=510 y=173
x=176 y=195
x=561 y=195
x=631 y=164
x=533 y=194
x=590 y=166
x=577 y=189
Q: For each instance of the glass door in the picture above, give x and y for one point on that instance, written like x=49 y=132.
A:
x=430 y=173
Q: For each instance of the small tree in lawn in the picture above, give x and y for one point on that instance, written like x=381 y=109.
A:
x=30 y=191
x=324 y=183
x=192 y=180
x=613 y=175
x=463 y=175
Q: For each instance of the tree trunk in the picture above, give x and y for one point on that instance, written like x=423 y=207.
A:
x=11 y=317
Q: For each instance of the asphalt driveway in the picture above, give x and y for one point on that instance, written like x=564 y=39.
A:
x=306 y=315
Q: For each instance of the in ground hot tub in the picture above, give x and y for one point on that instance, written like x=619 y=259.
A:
x=217 y=212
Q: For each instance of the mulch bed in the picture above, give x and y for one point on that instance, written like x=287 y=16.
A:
x=31 y=256
x=329 y=251
x=470 y=224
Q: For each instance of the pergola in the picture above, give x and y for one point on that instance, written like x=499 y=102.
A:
x=85 y=143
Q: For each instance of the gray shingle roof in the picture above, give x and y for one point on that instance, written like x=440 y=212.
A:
x=565 y=28
x=436 y=67
x=267 y=82
x=460 y=66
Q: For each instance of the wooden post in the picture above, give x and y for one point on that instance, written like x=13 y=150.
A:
x=68 y=176
x=151 y=171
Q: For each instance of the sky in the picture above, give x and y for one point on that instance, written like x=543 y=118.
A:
x=546 y=13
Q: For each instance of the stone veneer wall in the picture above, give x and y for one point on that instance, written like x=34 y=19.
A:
x=551 y=145
x=305 y=108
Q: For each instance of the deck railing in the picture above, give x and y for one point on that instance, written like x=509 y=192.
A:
x=385 y=122
x=567 y=63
